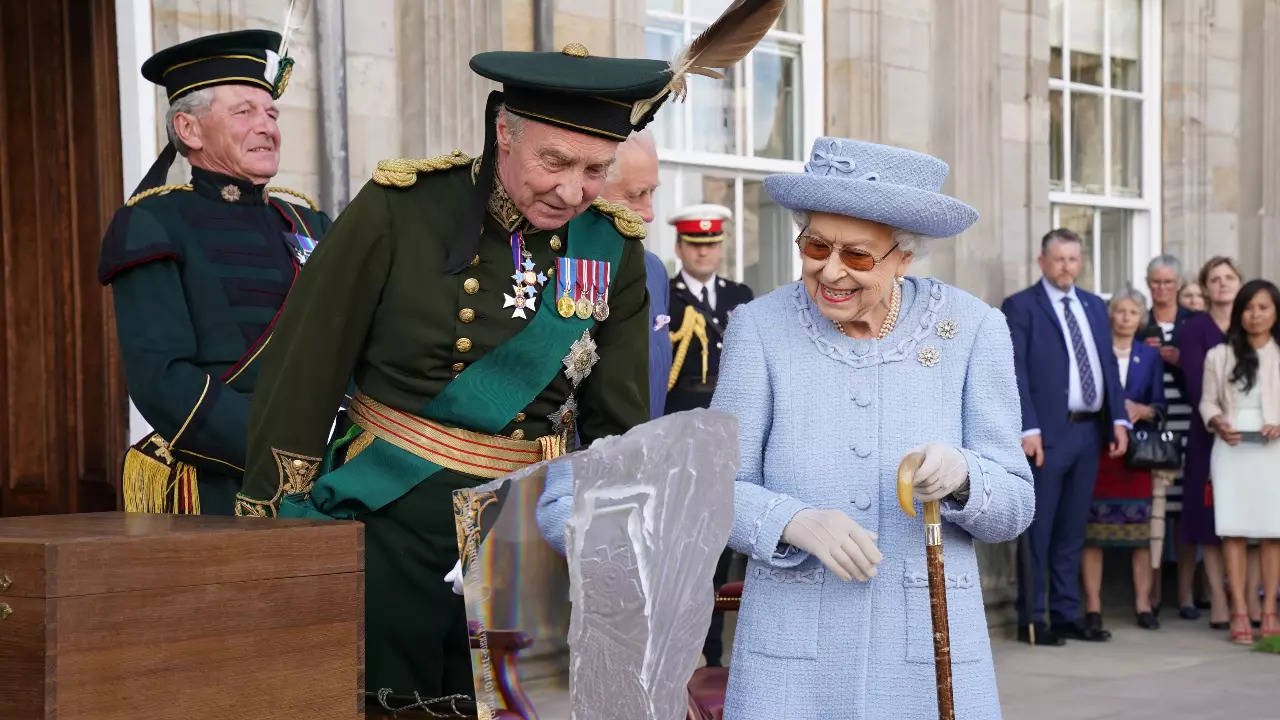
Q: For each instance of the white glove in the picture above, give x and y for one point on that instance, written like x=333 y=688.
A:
x=845 y=547
x=944 y=471
x=454 y=576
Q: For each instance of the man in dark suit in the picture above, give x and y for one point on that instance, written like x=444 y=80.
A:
x=1072 y=404
x=700 y=246
x=632 y=180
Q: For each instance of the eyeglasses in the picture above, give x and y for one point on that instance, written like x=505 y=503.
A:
x=853 y=258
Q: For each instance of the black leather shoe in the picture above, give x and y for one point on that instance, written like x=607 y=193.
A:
x=1189 y=612
x=1090 y=630
x=1148 y=621
x=1043 y=635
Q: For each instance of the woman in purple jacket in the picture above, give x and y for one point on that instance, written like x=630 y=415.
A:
x=1221 y=280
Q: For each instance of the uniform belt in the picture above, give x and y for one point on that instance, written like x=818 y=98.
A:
x=1083 y=416
x=466 y=451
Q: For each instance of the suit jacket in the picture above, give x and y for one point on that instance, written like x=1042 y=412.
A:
x=690 y=392
x=1220 y=396
x=1041 y=361
x=1145 y=381
x=655 y=281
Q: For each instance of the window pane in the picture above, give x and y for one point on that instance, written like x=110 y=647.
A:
x=1055 y=38
x=713 y=103
x=1116 y=246
x=674 y=6
x=1056 y=181
x=661 y=43
x=708 y=10
x=767 y=235
x=1126 y=44
x=661 y=240
x=1079 y=218
x=792 y=18
x=1126 y=147
x=1085 y=18
x=1086 y=143
x=707 y=187
x=776 y=112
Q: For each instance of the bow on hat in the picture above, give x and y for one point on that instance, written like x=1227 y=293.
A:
x=827 y=162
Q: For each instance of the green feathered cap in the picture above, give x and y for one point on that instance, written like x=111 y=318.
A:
x=243 y=57
x=574 y=90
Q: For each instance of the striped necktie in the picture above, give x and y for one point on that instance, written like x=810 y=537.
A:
x=1087 y=386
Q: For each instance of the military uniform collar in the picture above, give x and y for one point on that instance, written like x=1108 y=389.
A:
x=225 y=188
x=504 y=210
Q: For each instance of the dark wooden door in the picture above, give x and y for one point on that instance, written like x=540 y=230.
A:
x=63 y=408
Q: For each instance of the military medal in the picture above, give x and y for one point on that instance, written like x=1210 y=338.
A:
x=526 y=278
x=564 y=281
x=581 y=358
x=583 y=305
x=601 y=312
x=301 y=245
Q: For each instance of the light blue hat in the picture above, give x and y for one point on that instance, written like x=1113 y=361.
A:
x=889 y=185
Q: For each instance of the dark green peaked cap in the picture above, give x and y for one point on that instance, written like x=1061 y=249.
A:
x=574 y=90
x=243 y=57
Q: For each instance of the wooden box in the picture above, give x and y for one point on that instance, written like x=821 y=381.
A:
x=115 y=616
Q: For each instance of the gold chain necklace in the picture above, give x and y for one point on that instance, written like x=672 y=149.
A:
x=890 y=319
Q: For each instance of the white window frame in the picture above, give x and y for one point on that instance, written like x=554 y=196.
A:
x=810 y=103
x=1146 y=232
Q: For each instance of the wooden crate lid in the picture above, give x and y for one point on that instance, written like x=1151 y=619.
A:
x=88 y=554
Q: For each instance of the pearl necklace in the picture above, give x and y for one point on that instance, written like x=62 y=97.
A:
x=890 y=319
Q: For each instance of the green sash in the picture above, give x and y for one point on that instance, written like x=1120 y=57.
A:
x=484 y=397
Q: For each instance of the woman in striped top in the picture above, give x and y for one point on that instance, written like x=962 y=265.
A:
x=1164 y=323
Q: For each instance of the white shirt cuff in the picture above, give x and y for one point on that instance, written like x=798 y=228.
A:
x=1029 y=433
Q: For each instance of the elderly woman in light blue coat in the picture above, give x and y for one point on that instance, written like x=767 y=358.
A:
x=834 y=379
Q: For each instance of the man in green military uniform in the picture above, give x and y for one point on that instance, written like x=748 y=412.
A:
x=485 y=308
x=200 y=271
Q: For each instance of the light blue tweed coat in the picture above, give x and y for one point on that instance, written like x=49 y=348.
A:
x=824 y=420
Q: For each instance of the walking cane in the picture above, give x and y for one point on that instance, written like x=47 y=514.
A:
x=937 y=580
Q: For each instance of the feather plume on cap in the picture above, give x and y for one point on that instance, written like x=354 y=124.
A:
x=723 y=43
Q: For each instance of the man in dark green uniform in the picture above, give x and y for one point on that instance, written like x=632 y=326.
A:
x=485 y=308
x=200 y=271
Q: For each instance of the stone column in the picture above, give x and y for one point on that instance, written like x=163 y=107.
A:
x=1259 y=178
x=1201 y=128
x=441 y=100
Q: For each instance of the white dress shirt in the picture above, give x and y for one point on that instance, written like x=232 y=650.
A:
x=695 y=287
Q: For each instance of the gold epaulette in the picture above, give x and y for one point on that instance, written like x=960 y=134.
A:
x=303 y=196
x=155 y=191
x=628 y=221
x=403 y=172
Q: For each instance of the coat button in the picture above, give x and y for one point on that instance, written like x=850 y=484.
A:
x=861 y=399
x=520 y=417
x=517 y=434
x=861 y=450
x=555 y=243
x=459 y=367
x=466 y=315
x=715 y=320
x=719 y=345
x=471 y=286
x=463 y=345
x=863 y=501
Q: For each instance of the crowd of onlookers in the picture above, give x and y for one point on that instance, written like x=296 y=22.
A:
x=1196 y=369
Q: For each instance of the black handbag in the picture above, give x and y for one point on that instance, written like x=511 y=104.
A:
x=1157 y=449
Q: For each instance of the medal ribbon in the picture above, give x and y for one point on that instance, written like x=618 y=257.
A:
x=517 y=242
x=604 y=279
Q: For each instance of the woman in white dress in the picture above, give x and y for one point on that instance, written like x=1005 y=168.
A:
x=1241 y=401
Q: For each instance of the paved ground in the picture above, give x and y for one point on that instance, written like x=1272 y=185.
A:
x=1184 y=670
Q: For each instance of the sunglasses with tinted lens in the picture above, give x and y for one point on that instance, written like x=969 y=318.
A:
x=853 y=258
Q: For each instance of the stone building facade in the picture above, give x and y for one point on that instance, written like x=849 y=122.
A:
x=1163 y=135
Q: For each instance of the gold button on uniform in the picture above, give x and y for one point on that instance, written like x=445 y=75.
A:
x=471 y=286
x=520 y=417
x=466 y=315
x=463 y=345
x=475 y=260
x=555 y=243
x=459 y=367
x=518 y=434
